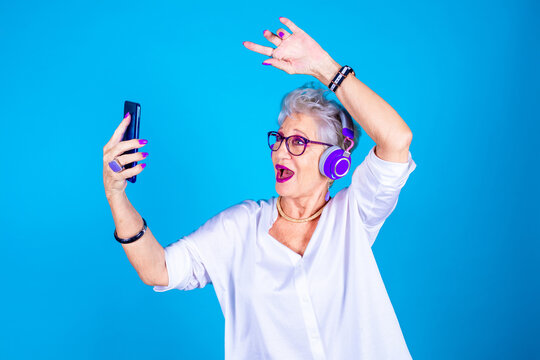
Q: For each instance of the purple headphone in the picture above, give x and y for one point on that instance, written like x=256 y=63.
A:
x=336 y=162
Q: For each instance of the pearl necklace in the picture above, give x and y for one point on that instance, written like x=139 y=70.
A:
x=298 y=220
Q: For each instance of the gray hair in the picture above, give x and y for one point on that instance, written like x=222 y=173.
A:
x=310 y=99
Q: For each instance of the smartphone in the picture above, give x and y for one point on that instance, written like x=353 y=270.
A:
x=132 y=131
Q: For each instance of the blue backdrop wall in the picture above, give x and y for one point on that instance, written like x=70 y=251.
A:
x=458 y=255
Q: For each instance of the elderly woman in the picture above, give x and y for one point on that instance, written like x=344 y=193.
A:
x=295 y=275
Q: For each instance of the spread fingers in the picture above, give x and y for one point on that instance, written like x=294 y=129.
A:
x=273 y=38
x=265 y=50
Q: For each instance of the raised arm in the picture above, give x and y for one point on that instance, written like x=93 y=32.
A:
x=146 y=254
x=379 y=120
x=298 y=53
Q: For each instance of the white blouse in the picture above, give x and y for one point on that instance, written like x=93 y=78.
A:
x=330 y=303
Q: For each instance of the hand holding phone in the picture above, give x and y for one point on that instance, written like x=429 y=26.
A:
x=120 y=154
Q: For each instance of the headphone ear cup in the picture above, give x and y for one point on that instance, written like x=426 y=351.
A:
x=341 y=166
x=333 y=164
x=332 y=157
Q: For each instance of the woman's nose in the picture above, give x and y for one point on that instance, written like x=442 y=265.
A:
x=280 y=154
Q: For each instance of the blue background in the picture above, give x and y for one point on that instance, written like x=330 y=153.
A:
x=459 y=255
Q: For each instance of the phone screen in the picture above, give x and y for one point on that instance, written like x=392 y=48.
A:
x=132 y=131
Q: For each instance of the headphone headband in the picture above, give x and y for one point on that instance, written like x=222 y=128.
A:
x=335 y=162
x=346 y=124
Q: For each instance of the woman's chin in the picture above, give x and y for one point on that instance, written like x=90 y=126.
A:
x=284 y=189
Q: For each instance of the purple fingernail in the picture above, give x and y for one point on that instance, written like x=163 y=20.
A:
x=280 y=34
x=265 y=63
x=143 y=165
x=143 y=141
x=125 y=116
x=264 y=31
x=144 y=154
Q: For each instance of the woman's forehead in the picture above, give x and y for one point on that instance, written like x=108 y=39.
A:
x=301 y=124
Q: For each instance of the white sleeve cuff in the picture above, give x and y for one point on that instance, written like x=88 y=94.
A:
x=390 y=173
x=178 y=264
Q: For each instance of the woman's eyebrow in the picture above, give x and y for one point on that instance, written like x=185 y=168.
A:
x=300 y=131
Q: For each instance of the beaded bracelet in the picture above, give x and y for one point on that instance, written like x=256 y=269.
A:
x=131 y=239
x=338 y=79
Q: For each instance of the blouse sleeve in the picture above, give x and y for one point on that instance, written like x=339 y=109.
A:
x=205 y=255
x=185 y=268
x=375 y=188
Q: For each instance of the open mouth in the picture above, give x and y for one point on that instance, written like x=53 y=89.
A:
x=283 y=173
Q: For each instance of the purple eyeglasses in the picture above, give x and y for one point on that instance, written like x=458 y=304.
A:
x=296 y=144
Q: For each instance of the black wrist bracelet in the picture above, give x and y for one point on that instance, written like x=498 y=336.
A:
x=338 y=79
x=131 y=239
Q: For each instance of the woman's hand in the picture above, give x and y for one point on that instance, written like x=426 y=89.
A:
x=296 y=52
x=115 y=182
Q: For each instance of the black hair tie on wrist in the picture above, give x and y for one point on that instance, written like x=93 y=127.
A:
x=131 y=239
x=338 y=79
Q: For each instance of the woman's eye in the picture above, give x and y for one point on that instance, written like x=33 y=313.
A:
x=298 y=141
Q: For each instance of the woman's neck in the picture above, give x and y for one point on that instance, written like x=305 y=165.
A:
x=302 y=207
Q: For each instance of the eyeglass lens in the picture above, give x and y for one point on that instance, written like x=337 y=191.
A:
x=295 y=144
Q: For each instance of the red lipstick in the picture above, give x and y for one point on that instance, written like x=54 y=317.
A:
x=283 y=173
